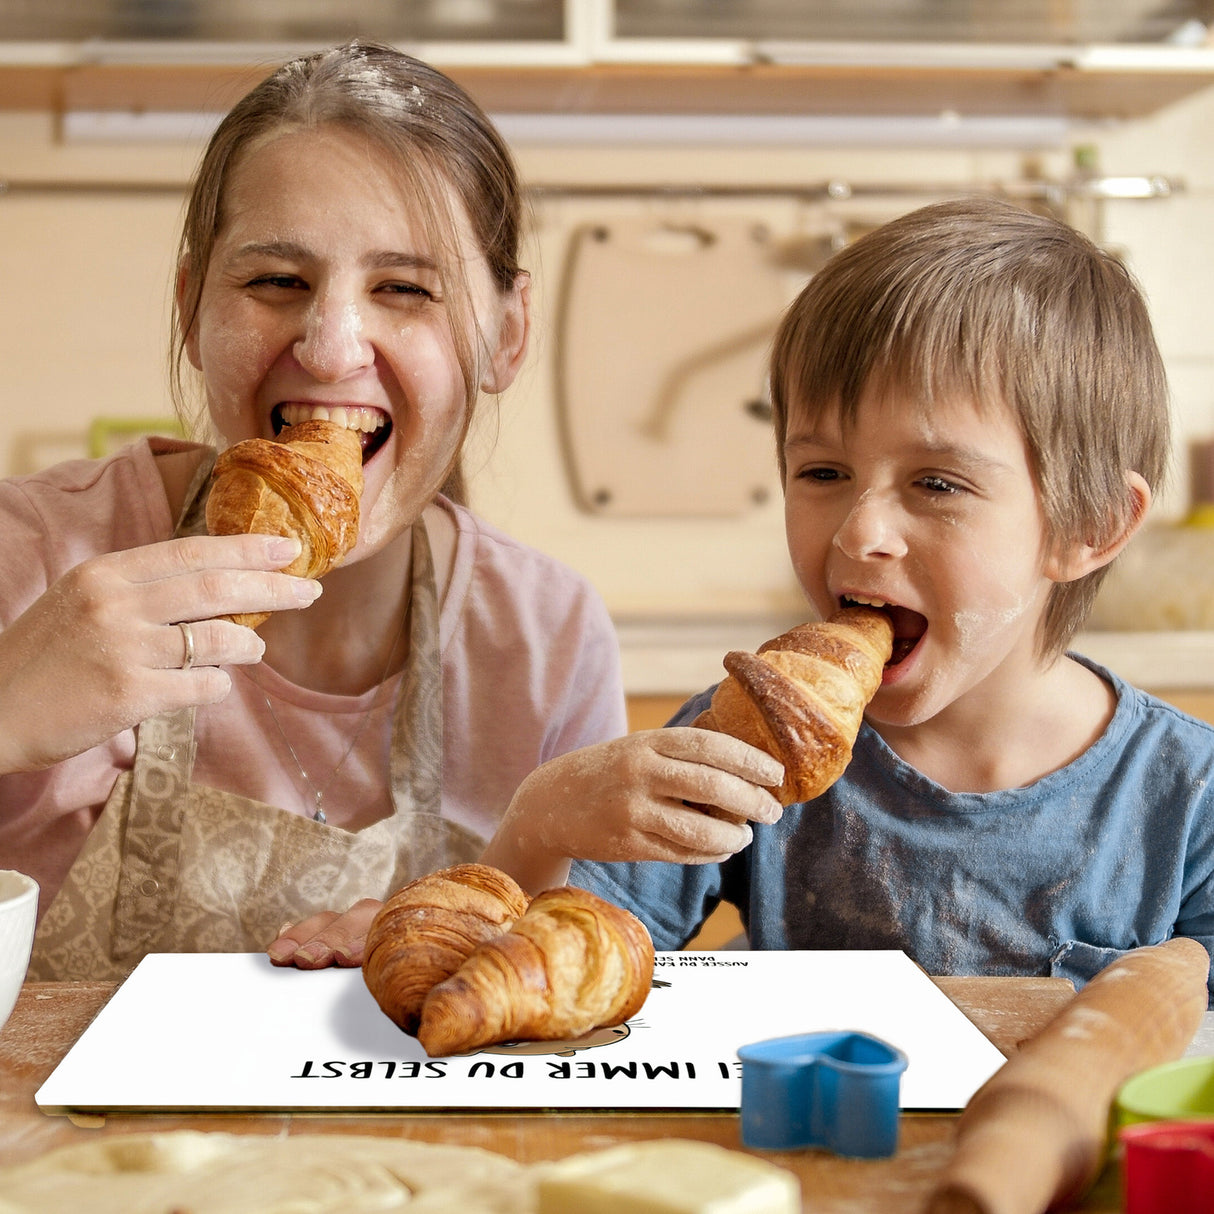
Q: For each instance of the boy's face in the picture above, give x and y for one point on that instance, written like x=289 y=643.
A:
x=936 y=513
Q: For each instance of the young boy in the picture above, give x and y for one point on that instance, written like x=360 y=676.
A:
x=971 y=418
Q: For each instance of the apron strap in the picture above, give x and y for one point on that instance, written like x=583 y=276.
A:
x=416 y=771
x=148 y=876
x=164 y=761
x=193 y=519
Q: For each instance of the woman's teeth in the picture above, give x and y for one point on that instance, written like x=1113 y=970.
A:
x=349 y=417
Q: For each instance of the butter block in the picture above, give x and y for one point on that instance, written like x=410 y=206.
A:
x=666 y=1176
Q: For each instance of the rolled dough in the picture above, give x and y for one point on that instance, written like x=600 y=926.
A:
x=216 y=1173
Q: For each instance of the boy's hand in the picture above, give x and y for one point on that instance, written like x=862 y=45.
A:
x=682 y=794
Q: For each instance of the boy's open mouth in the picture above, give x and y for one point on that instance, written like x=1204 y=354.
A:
x=373 y=425
x=909 y=626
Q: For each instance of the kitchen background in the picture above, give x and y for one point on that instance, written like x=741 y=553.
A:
x=691 y=162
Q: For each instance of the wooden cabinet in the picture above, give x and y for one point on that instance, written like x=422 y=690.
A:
x=1196 y=703
x=1095 y=92
x=653 y=711
x=1085 y=62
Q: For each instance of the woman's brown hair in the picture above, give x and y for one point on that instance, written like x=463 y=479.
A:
x=442 y=140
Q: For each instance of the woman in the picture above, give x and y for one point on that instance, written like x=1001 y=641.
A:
x=178 y=782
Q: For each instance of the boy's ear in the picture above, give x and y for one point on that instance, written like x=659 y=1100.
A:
x=1073 y=561
x=514 y=328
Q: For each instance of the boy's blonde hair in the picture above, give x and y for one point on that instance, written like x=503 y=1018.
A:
x=981 y=300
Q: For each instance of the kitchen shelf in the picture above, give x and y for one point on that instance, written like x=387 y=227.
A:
x=1079 y=88
x=856 y=89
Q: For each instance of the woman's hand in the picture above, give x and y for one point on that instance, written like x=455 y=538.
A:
x=682 y=794
x=102 y=649
x=329 y=938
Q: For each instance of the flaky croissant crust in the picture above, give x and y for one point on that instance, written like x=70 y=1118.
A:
x=574 y=962
x=307 y=486
x=801 y=698
x=426 y=930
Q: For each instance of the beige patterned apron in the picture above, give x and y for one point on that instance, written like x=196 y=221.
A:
x=171 y=866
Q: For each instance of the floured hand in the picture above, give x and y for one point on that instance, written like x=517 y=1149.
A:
x=682 y=795
x=103 y=648
x=328 y=938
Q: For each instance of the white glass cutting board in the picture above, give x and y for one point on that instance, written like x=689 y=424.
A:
x=230 y=1031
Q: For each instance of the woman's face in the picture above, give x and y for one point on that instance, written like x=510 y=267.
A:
x=322 y=298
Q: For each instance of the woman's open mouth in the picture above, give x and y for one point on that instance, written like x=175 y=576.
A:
x=373 y=425
x=909 y=626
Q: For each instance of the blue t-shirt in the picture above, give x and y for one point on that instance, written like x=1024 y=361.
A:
x=1059 y=878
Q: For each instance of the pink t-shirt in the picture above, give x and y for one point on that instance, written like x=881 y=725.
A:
x=529 y=656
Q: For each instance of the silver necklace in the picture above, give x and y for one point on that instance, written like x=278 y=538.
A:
x=318 y=793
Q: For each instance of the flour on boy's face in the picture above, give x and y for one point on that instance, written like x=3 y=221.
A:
x=931 y=512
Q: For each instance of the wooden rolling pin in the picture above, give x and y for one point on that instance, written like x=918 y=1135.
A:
x=1034 y=1136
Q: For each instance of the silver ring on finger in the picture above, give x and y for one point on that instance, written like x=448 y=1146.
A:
x=187 y=636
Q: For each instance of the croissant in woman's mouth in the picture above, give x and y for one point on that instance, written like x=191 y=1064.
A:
x=373 y=425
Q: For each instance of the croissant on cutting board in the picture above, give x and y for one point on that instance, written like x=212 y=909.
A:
x=426 y=930
x=306 y=485
x=572 y=963
x=801 y=698
x=461 y=959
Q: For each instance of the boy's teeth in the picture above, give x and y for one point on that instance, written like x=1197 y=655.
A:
x=863 y=601
x=355 y=417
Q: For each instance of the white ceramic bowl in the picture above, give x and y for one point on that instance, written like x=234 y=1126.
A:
x=18 y=909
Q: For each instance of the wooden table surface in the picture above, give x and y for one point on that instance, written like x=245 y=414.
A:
x=49 y=1017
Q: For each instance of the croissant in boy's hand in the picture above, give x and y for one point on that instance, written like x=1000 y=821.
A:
x=468 y=968
x=801 y=698
x=308 y=486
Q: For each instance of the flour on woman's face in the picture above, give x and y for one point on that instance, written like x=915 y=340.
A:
x=324 y=293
